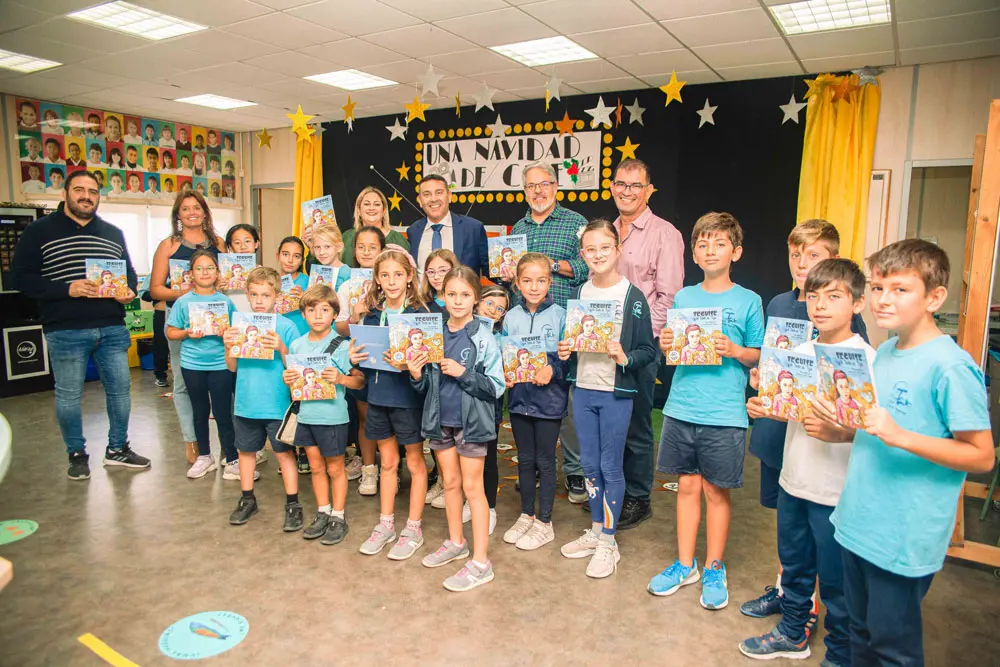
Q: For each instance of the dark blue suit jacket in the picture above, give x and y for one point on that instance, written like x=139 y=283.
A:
x=469 y=237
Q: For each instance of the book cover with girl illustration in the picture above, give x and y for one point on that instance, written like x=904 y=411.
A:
x=234 y=268
x=504 y=252
x=523 y=356
x=412 y=333
x=845 y=379
x=179 y=271
x=357 y=287
x=317 y=213
x=694 y=331
x=251 y=327
x=310 y=386
x=286 y=303
x=786 y=333
x=108 y=275
x=211 y=318
x=787 y=383
x=323 y=275
x=591 y=324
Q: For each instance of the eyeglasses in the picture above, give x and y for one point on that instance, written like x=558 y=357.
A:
x=536 y=187
x=628 y=187
x=591 y=252
x=205 y=269
x=437 y=273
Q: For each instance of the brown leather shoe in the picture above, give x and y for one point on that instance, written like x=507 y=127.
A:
x=191 y=451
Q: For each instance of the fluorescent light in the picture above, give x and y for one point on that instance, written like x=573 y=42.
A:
x=351 y=79
x=544 y=51
x=139 y=21
x=816 y=15
x=22 y=63
x=216 y=102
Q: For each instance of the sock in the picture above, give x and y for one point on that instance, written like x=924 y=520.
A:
x=413 y=526
x=481 y=566
x=324 y=509
x=607 y=539
x=388 y=520
x=291 y=498
x=781 y=591
x=337 y=513
x=596 y=528
x=248 y=494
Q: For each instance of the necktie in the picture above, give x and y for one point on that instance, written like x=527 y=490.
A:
x=436 y=239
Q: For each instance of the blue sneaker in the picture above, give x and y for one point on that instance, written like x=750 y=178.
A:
x=774 y=645
x=766 y=605
x=714 y=589
x=671 y=579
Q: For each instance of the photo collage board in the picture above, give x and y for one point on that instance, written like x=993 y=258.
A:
x=133 y=157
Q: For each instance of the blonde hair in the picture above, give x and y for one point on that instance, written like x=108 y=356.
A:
x=718 y=222
x=264 y=275
x=376 y=297
x=358 y=224
x=812 y=231
x=331 y=234
x=427 y=293
x=320 y=294
x=534 y=258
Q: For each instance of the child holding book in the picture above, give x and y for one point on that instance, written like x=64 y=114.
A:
x=261 y=402
x=322 y=424
x=537 y=408
x=602 y=395
x=436 y=267
x=327 y=247
x=459 y=419
x=705 y=417
x=203 y=364
x=290 y=253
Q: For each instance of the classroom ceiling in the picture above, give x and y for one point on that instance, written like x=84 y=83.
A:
x=259 y=50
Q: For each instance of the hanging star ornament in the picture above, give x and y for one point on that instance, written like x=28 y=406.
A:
x=263 y=139
x=635 y=112
x=429 y=81
x=627 y=149
x=416 y=109
x=673 y=89
x=498 y=130
x=458 y=104
x=318 y=128
x=299 y=123
x=565 y=126
x=706 y=114
x=485 y=98
x=868 y=75
x=600 y=114
x=618 y=113
x=394 y=201
x=349 y=110
x=815 y=85
x=552 y=90
x=397 y=130
x=791 y=110
x=404 y=172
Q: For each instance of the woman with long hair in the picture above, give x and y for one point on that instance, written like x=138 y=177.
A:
x=371 y=208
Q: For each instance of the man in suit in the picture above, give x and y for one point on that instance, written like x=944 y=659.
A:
x=464 y=236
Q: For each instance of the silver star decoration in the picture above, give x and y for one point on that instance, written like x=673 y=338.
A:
x=552 y=87
x=485 y=98
x=429 y=81
x=867 y=75
x=635 y=112
x=397 y=131
x=600 y=113
x=499 y=129
x=791 y=110
x=319 y=129
x=706 y=114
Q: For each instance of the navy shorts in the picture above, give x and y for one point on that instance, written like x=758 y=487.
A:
x=331 y=439
x=769 y=486
x=714 y=452
x=404 y=423
x=252 y=434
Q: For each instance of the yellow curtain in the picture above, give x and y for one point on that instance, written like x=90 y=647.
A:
x=308 y=176
x=841 y=121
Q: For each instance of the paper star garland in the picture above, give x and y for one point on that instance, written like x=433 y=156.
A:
x=600 y=114
x=485 y=98
x=673 y=89
x=299 y=123
x=498 y=129
x=429 y=81
x=404 y=172
x=565 y=126
x=706 y=114
x=263 y=139
x=394 y=201
x=627 y=149
x=618 y=113
x=416 y=109
x=552 y=90
x=397 y=131
x=791 y=110
x=635 y=112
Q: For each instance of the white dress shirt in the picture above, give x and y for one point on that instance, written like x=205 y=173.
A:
x=447 y=241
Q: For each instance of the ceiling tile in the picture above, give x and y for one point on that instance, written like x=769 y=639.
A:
x=85 y=75
x=136 y=66
x=178 y=57
x=76 y=33
x=403 y=71
x=766 y=71
x=949 y=30
x=420 y=41
x=645 y=38
x=476 y=61
x=913 y=10
x=284 y=30
x=534 y=92
x=662 y=10
x=690 y=76
x=221 y=45
x=843 y=63
x=738 y=26
x=229 y=74
x=45 y=89
x=436 y=10
x=357 y=17
x=13 y=16
x=745 y=53
x=873 y=39
x=609 y=85
x=261 y=96
x=298 y=87
x=517 y=78
x=587 y=70
x=146 y=89
x=352 y=53
x=504 y=26
x=569 y=16
x=284 y=4
x=380 y=110
x=50 y=49
x=291 y=63
x=659 y=62
x=936 y=54
x=213 y=14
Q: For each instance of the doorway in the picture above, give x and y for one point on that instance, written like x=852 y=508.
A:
x=271 y=207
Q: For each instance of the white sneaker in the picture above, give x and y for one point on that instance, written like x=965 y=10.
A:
x=436 y=491
x=581 y=547
x=438 y=502
x=493 y=520
x=231 y=471
x=201 y=467
x=466 y=512
x=353 y=468
x=369 y=480
x=537 y=536
x=604 y=561
x=520 y=527
x=261 y=457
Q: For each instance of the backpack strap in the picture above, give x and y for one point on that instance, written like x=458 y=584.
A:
x=334 y=344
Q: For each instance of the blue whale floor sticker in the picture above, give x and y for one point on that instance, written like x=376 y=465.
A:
x=16 y=529
x=203 y=635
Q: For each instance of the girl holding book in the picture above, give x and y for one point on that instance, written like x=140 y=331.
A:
x=326 y=249
x=291 y=250
x=436 y=267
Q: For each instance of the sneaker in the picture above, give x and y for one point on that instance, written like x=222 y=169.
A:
x=583 y=546
x=407 y=544
x=576 y=489
x=125 y=457
x=604 y=561
x=538 y=535
x=353 y=468
x=377 y=540
x=520 y=527
x=79 y=466
x=293 y=518
x=336 y=531
x=369 y=480
x=318 y=527
x=671 y=579
x=201 y=467
x=813 y=617
x=466 y=512
x=438 y=502
x=303 y=462
x=766 y=605
x=446 y=553
x=161 y=382
x=435 y=491
x=245 y=508
x=231 y=471
x=774 y=645
x=469 y=577
x=260 y=458
x=493 y=520
x=714 y=588
x=634 y=512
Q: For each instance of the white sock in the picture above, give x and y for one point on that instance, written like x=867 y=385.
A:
x=337 y=513
x=324 y=509
x=608 y=539
x=597 y=528
x=478 y=564
x=777 y=585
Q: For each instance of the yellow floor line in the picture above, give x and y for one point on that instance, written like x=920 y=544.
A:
x=108 y=654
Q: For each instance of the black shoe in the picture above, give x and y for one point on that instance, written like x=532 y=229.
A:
x=125 y=457
x=577 y=491
x=304 y=468
x=336 y=531
x=318 y=527
x=245 y=508
x=79 y=466
x=293 y=517
x=634 y=512
x=161 y=382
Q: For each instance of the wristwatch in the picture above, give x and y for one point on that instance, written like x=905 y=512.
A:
x=555 y=267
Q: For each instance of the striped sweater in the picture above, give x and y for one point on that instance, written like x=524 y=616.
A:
x=51 y=254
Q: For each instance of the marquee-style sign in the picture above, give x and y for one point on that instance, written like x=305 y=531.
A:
x=416 y=109
x=706 y=114
x=673 y=89
x=263 y=139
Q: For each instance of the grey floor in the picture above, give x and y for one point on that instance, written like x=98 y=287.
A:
x=126 y=554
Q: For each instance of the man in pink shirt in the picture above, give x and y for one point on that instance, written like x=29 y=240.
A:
x=652 y=259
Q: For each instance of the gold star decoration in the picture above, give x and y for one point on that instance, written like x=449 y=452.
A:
x=673 y=89
x=263 y=139
x=843 y=90
x=394 y=201
x=618 y=113
x=565 y=126
x=815 y=85
x=404 y=172
x=299 y=123
x=458 y=104
x=349 y=110
x=627 y=149
x=416 y=109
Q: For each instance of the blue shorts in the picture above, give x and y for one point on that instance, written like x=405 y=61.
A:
x=714 y=452
x=404 y=423
x=252 y=434
x=331 y=439
x=769 y=486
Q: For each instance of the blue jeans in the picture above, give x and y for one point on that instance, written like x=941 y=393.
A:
x=181 y=399
x=806 y=548
x=69 y=351
x=601 y=423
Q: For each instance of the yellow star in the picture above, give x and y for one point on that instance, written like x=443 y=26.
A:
x=263 y=139
x=349 y=109
x=673 y=89
x=299 y=120
x=458 y=104
x=416 y=109
x=627 y=149
x=394 y=201
x=565 y=126
x=814 y=87
x=404 y=172
x=303 y=133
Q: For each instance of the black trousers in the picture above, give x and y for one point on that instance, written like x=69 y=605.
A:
x=211 y=393
x=161 y=350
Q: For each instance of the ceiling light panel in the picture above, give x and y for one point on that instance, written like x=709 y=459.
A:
x=216 y=102
x=138 y=21
x=20 y=62
x=351 y=79
x=548 y=51
x=797 y=18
